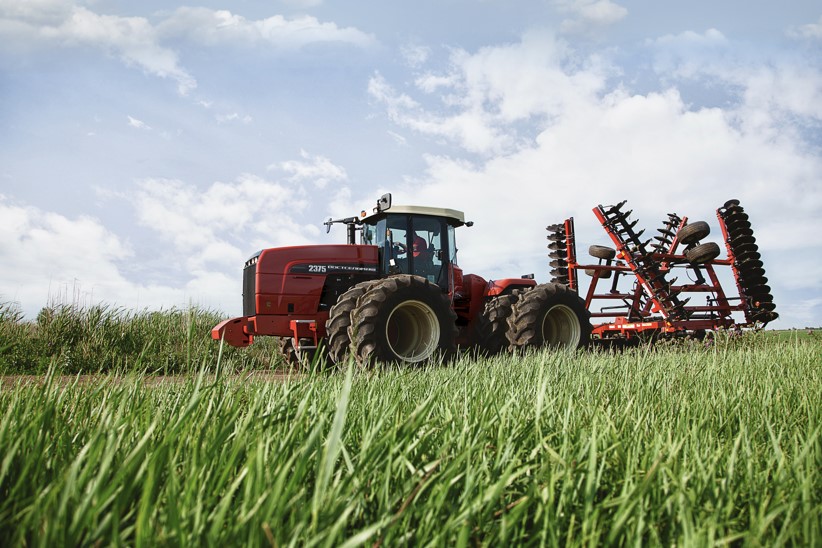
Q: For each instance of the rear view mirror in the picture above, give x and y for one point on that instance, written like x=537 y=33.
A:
x=384 y=202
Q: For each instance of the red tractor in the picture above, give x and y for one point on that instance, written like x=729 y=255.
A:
x=397 y=296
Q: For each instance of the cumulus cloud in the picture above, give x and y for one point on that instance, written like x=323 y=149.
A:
x=60 y=24
x=315 y=169
x=221 y=27
x=485 y=94
x=137 y=124
x=42 y=253
x=142 y=43
x=589 y=15
x=217 y=226
x=811 y=31
x=200 y=238
x=415 y=55
x=593 y=142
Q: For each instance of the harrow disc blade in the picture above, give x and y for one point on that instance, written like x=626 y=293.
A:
x=759 y=300
x=736 y=216
x=559 y=263
x=557 y=246
x=741 y=232
x=556 y=237
x=758 y=291
x=764 y=316
x=738 y=225
x=555 y=228
x=731 y=210
x=752 y=273
x=740 y=240
x=753 y=281
x=559 y=272
x=747 y=256
x=769 y=306
x=749 y=265
x=557 y=255
x=730 y=203
x=745 y=248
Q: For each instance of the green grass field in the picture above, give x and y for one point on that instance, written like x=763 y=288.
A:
x=678 y=445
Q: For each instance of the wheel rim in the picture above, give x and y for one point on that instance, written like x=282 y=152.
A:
x=561 y=327
x=412 y=331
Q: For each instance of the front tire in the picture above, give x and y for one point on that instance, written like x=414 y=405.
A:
x=339 y=320
x=402 y=319
x=549 y=315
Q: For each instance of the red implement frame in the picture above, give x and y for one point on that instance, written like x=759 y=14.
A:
x=655 y=303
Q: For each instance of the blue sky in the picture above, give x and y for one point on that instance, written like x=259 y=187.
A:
x=146 y=149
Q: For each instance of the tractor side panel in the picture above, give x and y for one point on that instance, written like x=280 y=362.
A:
x=290 y=281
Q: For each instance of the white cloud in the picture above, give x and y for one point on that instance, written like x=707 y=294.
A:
x=316 y=169
x=415 y=55
x=139 y=42
x=484 y=95
x=598 y=144
x=233 y=117
x=811 y=31
x=215 y=227
x=302 y=4
x=61 y=24
x=138 y=124
x=44 y=255
x=221 y=27
x=589 y=15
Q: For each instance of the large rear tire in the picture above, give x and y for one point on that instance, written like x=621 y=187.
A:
x=402 y=319
x=549 y=315
x=492 y=325
x=339 y=320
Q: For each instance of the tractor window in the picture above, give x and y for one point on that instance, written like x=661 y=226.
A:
x=427 y=247
x=369 y=235
x=413 y=244
x=452 y=245
x=396 y=244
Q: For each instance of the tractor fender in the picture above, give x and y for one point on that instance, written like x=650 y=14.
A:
x=506 y=285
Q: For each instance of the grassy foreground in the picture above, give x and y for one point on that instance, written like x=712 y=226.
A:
x=685 y=446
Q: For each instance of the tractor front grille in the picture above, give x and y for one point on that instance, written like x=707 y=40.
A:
x=250 y=286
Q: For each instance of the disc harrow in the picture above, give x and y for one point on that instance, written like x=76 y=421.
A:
x=746 y=262
x=655 y=302
x=558 y=246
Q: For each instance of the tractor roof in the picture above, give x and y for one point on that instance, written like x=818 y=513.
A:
x=456 y=218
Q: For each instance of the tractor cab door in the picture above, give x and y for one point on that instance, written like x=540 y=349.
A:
x=414 y=244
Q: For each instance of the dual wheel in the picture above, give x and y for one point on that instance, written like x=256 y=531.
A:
x=397 y=319
x=406 y=319
x=548 y=315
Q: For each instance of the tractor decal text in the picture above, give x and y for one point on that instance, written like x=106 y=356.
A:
x=326 y=268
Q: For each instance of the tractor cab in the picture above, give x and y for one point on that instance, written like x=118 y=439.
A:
x=415 y=240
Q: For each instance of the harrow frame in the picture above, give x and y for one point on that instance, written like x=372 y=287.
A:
x=656 y=305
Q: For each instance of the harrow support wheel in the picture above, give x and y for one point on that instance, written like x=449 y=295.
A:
x=339 y=320
x=602 y=252
x=492 y=325
x=549 y=315
x=703 y=253
x=693 y=232
x=402 y=319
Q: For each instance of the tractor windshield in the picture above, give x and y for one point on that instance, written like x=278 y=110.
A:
x=413 y=244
